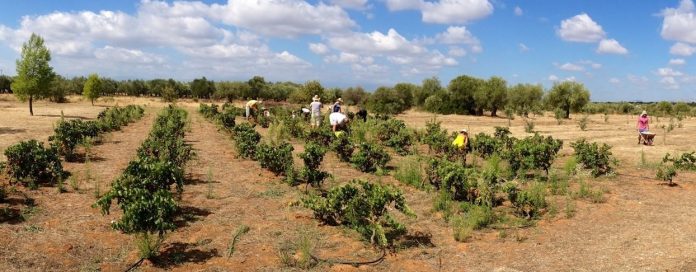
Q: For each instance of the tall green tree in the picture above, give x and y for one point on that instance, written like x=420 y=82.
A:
x=34 y=74
x=430 y=86
x=386 y=101
x=461 y=94
x=5 y=83
x=93 y=88
x=257 y=84
x=355 y=96
x=406 y=91
x=525 y=98
x=568 y=96
x=202 y=88
x=496 y=94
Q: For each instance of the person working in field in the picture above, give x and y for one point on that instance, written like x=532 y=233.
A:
x=643 y=127
x=252 y=109
x=315 y=108
x=461 y=143
x=338 y=121
x=337 y=106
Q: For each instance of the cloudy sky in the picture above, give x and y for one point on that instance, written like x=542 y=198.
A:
x=621 y=50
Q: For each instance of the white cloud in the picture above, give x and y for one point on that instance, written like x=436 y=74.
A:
x=518 y=11
x=375 y=42
x=571 y=67
x=637 y=79
x=351 y=4
x=456 y=51
x=455 y=11
x=284 y=18
x=552 y=78
x=523 y=47
x=670 y=83
x=570 y=78
x=682 y=49
x=614 y=80
x=668 y=72
x=611 y=46
x=445 y=11
x=679 y=24
x=319 y=48
x=581 y=28
x=396 y=5
x=124 y=55
x=676 y=62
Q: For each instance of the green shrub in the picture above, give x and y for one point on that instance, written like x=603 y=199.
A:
x=68 y=134
x=583 y=121
x=343 y=147
x=31 y=161
x=485 y=145
x=393 y=133
x=529 y=202
x=528 y=125
x=276 y=158
x=364 y=207
x=535 y=152
x=321 y=135
x=460 y=182
x=594 y=157
x=312 y=158
x=685 y=161
x=370 y=157
x=666 y=173
x=246 y=139
x=435 y=137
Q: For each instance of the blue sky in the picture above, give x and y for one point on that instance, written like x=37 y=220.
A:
x=621 y=50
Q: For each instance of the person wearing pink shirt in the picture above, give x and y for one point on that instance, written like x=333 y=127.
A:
x=643 y=127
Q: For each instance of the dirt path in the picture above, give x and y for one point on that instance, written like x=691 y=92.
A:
x=62 y=231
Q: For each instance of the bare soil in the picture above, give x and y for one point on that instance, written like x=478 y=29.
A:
x=644 y=225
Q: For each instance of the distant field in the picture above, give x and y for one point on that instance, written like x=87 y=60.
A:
x=642 y=225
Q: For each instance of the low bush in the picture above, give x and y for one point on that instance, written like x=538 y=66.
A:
x=410 y=171
x=343 y=147
x=29 y=161
x=246 y=139
x=370 y=157
x=458 y=181
x=594 y=157
x=312 y=158
x=68 y=134
x=666 y=173
x=685 y=161
x=393 y=133
x=435 y=137
x=529 y=202
x=533 y=153
x=321 y=135
x=364 y=207
x=276 y=158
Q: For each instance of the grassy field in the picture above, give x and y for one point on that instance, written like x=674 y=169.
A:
x=639 y=224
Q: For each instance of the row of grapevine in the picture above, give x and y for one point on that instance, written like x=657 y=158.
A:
x=144 y=191
x=360 y=205
x=68 y=134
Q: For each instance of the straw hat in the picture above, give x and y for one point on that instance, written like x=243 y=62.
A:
x=339 y=100
x=464 y=131
x=644 y=113
x=316 y=98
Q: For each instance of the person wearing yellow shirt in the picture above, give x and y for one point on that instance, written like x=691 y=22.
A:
x=461 y=143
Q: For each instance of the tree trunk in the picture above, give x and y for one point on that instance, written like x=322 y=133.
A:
x=567 y=112
x=92 y=102
x=494 y=112
x=31 y=108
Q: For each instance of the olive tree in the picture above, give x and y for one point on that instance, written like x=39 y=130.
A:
x=525 y=98
x=495 y=89
x=92 y=88
x=568 y=96
x=34 y=74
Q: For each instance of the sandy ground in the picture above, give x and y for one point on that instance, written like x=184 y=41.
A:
x=643 y=226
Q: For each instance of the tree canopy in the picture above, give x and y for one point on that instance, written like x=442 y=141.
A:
x=568 y=96
x=93 y=88
x=34 y=74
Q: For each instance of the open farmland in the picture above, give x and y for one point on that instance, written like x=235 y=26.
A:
x=640 y=224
